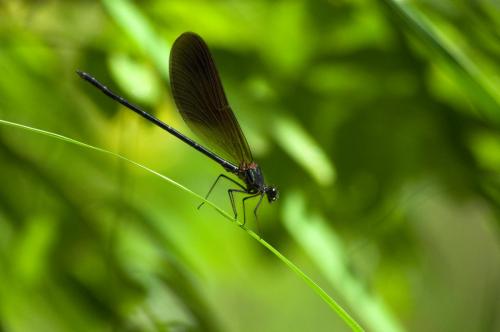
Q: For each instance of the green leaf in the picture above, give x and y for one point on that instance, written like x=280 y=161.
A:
x=333 y=305
x=325 y=248
x=304 y=150
x=130 y=19
x=475 y=84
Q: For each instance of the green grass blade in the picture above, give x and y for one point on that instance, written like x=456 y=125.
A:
x=475 y=84
x=91 y=147
x=314 y=234
x=316 y=288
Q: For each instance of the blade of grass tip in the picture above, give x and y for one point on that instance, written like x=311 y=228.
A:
x=91 y=147
x=316 y=288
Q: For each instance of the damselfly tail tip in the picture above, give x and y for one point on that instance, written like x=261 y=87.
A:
x=82 y=74
x=89 y=78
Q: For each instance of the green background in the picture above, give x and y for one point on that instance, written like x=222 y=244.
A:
x=378 y=121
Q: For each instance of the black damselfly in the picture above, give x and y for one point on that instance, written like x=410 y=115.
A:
x=200 y=98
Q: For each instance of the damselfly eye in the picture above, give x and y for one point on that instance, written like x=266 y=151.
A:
x=272 y=194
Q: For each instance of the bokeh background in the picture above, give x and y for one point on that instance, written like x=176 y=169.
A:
x=378 y=120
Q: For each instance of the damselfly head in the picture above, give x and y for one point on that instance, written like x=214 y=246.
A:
x=272 y=194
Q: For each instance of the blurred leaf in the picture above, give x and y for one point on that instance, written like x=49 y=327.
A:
x=304 y=150
x=33 y=249
x=131 y=20
x=486 y=147
x=314 y=235
x=474 y=82
x=138 y=80
x=286 y=55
